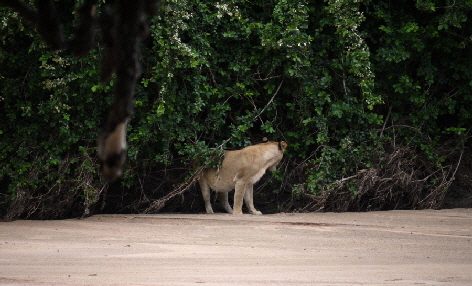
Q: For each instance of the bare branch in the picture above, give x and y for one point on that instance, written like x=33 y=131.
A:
x=270 y=101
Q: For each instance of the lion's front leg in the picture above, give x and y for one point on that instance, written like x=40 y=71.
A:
x=249 y=200
x=239 y=191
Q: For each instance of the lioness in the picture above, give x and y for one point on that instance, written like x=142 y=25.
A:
x=240 y=170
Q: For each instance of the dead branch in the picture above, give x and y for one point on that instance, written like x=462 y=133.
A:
x=182 y=188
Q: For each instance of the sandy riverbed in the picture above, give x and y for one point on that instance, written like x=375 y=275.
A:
x=375 y=248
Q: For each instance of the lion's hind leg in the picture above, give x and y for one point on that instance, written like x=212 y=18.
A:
x=223 y=199
x=206 y=192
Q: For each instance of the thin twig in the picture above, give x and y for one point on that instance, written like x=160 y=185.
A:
x=270 y=101
x=386 y=119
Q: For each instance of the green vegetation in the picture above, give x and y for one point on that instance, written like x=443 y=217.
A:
x=373 y=97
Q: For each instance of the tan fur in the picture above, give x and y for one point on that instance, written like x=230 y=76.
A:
x=112 y=152
x=240 y=170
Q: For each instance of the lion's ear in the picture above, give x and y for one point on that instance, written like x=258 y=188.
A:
x=283 y=145
x=265 y=139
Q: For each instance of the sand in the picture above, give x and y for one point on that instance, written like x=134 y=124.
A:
x=374 y=248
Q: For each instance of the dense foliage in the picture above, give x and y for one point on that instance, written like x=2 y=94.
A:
x=373 y=98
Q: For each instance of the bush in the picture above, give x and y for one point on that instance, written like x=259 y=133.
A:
x=371 y=96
